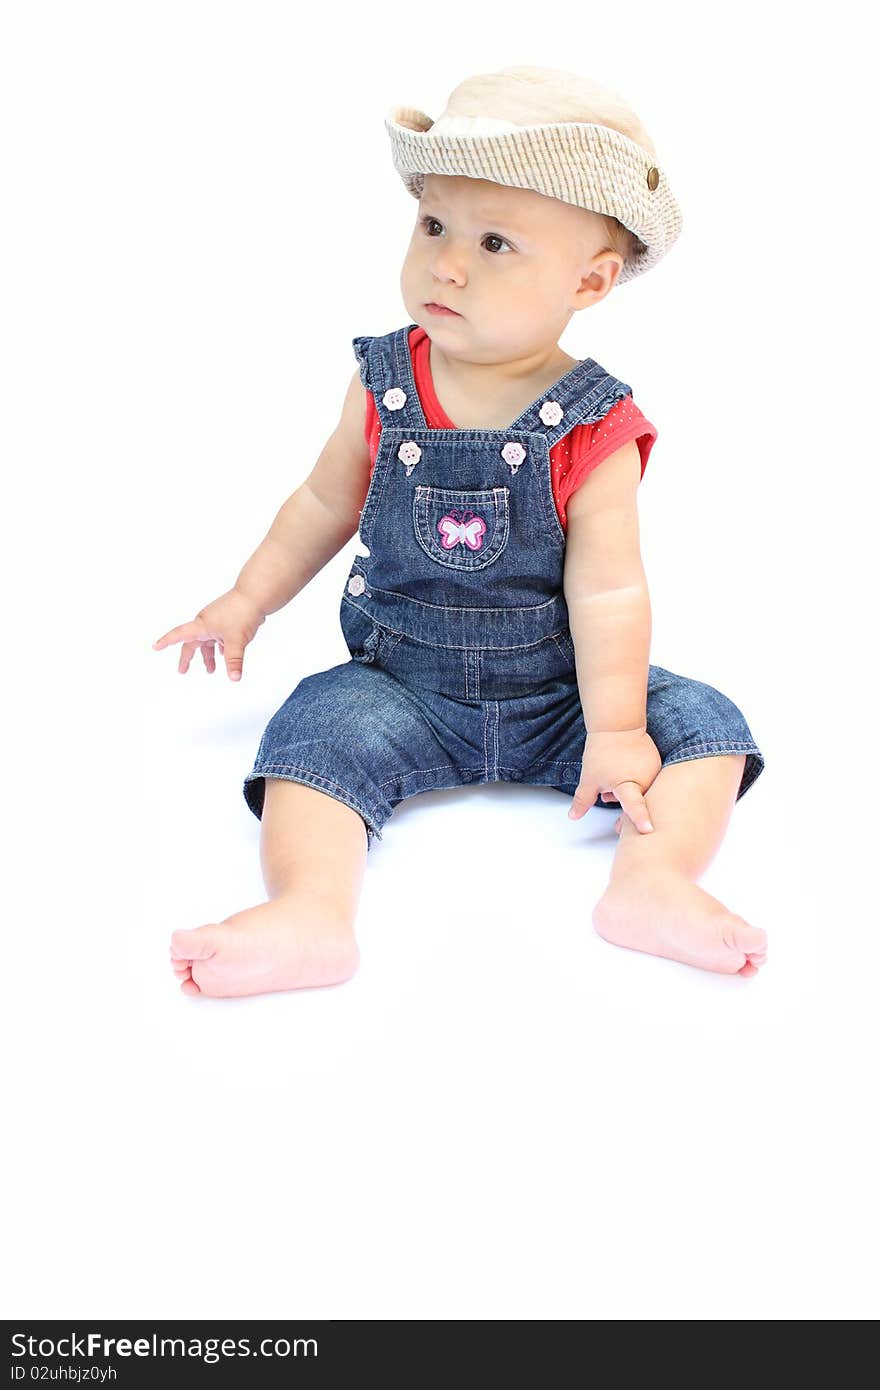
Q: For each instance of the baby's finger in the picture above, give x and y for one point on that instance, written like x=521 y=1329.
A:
x=208 y=657
x=629 y=794
x=234 y=657
x=184 y=632
x=585 y=797
x=187 y=652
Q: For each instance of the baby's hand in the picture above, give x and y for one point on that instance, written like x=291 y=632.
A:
x=624 y=764
x=232 y=620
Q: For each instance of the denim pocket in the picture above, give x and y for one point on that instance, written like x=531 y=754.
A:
x=462 y=529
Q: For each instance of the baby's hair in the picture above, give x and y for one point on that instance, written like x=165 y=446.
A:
x=533 y=101
x=620 y=238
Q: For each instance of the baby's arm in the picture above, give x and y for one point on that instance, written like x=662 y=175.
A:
x=318 y=519
x=607 y=594
x=314 y=523
x=609 y=613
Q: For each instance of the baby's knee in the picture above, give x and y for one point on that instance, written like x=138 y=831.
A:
x=721 y=718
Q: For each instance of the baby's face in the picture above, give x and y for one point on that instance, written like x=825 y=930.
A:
x=514 y=264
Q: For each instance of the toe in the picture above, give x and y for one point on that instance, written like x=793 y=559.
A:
x=739 y=936
x=198 y=943
x=190 y=987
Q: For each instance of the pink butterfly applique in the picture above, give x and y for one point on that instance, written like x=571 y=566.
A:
x=461 y=528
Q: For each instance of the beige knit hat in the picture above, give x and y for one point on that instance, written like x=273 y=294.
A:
x=554 y=132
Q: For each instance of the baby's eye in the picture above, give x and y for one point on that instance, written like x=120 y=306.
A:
x=429 y=222
x=493 y=236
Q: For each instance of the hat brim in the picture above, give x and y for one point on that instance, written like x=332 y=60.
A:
x=568 y=160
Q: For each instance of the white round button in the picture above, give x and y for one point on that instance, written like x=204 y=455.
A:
x=409 y=452
x=356 y=584
x=394 y=398
x=513 y=452
x=551 y=412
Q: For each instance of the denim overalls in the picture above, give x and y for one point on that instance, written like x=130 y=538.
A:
x=462 y=665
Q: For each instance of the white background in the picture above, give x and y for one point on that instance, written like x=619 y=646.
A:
x=501 y=1116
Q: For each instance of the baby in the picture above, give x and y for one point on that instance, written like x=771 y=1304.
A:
x=499 y=624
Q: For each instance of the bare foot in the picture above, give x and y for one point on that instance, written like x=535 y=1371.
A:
x=666 y=914
x=281 y=944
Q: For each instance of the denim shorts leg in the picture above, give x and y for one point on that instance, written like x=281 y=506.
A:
x=689 y=719
x=542 y=736
x=363 y=737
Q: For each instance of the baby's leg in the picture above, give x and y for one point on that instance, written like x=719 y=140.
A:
x=652 y=902
x=313 y=851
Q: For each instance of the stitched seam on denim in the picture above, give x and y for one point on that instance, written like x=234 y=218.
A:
x=460 y=496
x=451 y=647
x=465 y=608
x=551 y=762
x=502 y=767
x=506 y=767
x=460 y=608
x=483 y=647
x=384 y=440
x=405 y=372
x=313 y=779
x=388 y=640
x=495 y=737
x=376 y=373
x=397 y=345
x=555 y=531
x=418 y=771
x=719 y=745
x=463 y=438
x=365 y=512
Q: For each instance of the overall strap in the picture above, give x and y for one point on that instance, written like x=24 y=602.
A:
x=386 y=370
x=584 y=395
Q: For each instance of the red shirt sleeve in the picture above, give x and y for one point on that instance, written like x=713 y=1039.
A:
x=372 y=427
x=590 y=444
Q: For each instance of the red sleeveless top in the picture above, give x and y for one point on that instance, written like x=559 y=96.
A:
x=576 y=455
